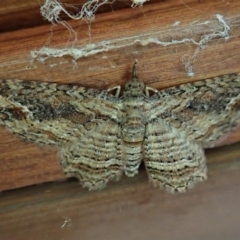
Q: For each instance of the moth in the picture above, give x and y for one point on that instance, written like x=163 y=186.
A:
x=102 y=134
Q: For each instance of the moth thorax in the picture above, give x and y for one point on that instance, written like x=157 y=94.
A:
x=133 y=132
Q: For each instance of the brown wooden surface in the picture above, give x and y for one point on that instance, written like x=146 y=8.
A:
x=15 y=14
x=129 y=209
x=24 y=164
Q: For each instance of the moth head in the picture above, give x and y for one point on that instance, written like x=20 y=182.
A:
x=134 y=83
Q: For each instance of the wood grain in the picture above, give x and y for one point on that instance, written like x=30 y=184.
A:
x=26 y=13
x=24 y=164
x=65 y=211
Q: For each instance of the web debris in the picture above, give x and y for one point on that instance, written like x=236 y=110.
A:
x=66 y=222
x=52 y=9
x=189 y=60
x=160 y=36
x=138 y=3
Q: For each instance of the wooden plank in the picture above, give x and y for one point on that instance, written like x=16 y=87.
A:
x=24 y=164
x=16 y=15
x=65 y=211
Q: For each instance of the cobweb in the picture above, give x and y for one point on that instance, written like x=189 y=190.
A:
x=216 y=28
x=52 y=9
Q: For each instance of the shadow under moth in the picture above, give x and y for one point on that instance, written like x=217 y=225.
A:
x=100 y=135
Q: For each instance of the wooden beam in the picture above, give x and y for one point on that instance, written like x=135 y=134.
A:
x=160 y=67
x=65 y=211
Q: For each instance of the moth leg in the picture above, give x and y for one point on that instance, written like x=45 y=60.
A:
x=148 y=89
x=117 y=88
x=173 y=162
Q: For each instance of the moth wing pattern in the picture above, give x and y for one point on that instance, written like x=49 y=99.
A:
x=86 y=125
x=95 y=158
x=205 y=110
x=172 y=160
x=182 y=121
x=83 y=123
x=52 y=114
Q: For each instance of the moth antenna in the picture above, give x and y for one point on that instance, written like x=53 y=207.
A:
x=134 y=72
